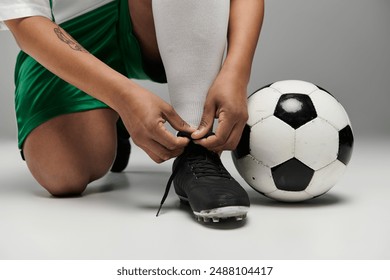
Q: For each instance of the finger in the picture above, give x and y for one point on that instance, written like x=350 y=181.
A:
x=176 y=121
x=171 y=142
x=155 y=150
x=232 y=140
x=206 y=123
x=159 y=153
x=221 y=136
x=152 y=155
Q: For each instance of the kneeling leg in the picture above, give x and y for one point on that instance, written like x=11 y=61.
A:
x=68 y=152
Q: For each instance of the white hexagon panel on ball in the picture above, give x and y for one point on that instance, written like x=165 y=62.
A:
x=316 y=143
x=274 y=141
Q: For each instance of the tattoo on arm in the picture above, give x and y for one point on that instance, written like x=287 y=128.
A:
x=67 y=39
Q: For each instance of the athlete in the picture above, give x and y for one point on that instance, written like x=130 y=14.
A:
x=77 y=102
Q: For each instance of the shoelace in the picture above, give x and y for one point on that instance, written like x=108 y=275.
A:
x=201 y=165
x=169 y=183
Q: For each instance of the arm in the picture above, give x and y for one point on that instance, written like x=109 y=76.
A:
x=142 y=112
x=227 y=97
x=46 y=42
x=246 y=19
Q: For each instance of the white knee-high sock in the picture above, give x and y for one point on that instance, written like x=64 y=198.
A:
x=191 y=36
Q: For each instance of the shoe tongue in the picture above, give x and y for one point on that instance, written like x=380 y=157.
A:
x=200 y=153
x=195 y=150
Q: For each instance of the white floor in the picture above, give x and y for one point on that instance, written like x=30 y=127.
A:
x=115 y=219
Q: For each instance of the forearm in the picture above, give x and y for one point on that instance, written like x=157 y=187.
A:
x=59 y=53
x=246 y=17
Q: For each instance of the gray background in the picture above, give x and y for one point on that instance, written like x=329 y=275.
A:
x=343 y=46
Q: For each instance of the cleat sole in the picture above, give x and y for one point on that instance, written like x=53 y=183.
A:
x=239 y=213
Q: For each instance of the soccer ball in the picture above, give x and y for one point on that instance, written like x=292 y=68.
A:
x=297 y=142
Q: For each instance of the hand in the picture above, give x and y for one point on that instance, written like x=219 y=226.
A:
x=226 y=101
x=144 y=115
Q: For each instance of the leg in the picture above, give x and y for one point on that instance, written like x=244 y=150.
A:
x=143 y=28
x=191 y=36
x=68 y=152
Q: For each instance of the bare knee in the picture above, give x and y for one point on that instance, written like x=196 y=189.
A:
x=68 y=152
x=66 y=191
x=63 y=187
x=65 y=180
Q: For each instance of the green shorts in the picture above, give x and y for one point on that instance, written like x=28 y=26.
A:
x=106 y=33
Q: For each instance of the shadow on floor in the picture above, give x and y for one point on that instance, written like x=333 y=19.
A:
x=326 y=199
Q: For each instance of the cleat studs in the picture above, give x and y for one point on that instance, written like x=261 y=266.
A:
x=206 y=220
x=240 y=218
x=199 y=218
x=215 y=220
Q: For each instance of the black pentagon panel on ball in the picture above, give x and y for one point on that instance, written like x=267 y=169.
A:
x=243 y=148
x=292 y=175
x=345 y=144
x=295 y=109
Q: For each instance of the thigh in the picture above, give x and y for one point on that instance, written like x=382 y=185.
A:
x=65 y=153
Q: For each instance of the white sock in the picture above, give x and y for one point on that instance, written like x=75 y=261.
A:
x=191 y=36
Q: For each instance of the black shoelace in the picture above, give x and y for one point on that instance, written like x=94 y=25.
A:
x=202 y=164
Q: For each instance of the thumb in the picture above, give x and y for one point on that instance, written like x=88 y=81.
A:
x=206 y=123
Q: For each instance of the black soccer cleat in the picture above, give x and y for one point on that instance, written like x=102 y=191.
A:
x=202 y=181
x=123 y=149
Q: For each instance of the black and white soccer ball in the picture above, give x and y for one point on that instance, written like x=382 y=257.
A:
x=297 y=142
